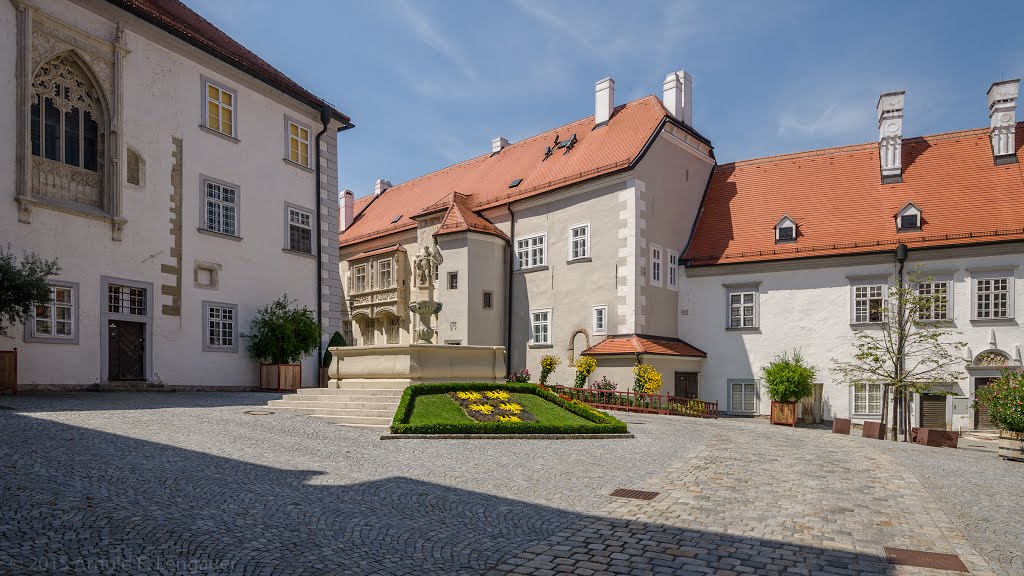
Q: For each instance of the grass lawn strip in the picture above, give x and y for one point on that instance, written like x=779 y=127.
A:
x=436 y=409
x=546 y=412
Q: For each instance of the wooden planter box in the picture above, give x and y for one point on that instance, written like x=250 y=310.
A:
x=873 y=430
x=840 y=426
x=934 y=437
x=324 y=377
x=280 y=377
x=783 y=413
x=9 y=370
x=1011 y=445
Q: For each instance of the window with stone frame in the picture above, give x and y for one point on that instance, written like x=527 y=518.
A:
x=867 y=399
x=126 y=300
x=392 y=330
x=359 y=278
x=220 y=109
x=66 y=133
x=221 y=208
x=300 y=230
x=298 y=143
x=221 y=327
x=385 y=275
x=579 y=241
x=935 y=300
x=869 y=303
x=530 y=251
x=540 y=327
x=742 y=312
x=57 y=317
x=992 y=298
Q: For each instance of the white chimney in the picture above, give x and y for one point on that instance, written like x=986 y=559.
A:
x=604 y=101
x=1002 y=113
x=347 y=202
x=677 y=94
x=890 y=136
x=498 y=144
x=380 y=186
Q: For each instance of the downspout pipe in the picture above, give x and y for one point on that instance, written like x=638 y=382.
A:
x=325 y=120
x=508 y=289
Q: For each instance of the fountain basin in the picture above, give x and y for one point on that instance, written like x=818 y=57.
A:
x=390 y=364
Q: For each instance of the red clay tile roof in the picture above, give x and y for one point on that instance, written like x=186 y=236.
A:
x=643 y=344
x=378 y=252
x=460 y=218
x=485 y=179
x=840 y=206
x=179 y=20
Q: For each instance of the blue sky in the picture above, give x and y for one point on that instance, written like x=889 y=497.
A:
x=428 y=83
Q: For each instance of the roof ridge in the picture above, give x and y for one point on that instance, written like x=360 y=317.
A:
x=514 y=144
x=848 y=148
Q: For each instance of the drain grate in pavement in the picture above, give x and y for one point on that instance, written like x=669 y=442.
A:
x=635 y=494
x=258 y=412
x=921 y=559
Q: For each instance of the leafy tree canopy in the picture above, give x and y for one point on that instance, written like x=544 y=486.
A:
x=22 y=286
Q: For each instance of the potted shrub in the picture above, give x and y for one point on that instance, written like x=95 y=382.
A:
x=788 y=379
x=279 y=337
x=336 y=340
x=585 y=366
x=1004 y=398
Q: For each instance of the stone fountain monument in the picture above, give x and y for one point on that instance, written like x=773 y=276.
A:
x=424 y=360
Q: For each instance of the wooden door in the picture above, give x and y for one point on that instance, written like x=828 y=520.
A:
x=686 y=385
x=981 y=419
x=126 y=350
x=933 y=412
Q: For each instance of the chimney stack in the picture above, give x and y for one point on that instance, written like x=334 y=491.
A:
x=1002 y=113
x=677 y=94
x=498 y=144
x=890 y=136
x=347 y=202
x=380 y=186
x=604 y=101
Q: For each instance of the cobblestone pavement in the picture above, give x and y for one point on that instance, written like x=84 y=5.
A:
x=190 y=484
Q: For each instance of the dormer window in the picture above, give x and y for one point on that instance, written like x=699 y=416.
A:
x=908 y=219
x=785 y=230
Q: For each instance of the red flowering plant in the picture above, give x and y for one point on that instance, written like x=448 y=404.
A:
x=1004 y=398
x=519 y=376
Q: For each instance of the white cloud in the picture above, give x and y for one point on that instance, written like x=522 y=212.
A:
x=425 y=30
x=838 y=119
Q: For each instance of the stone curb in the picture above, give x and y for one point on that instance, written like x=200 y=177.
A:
x=505 y=436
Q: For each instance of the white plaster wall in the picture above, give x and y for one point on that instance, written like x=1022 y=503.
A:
x=162 y=99
x=674 y=177
x=619 y=369
x=808 y=308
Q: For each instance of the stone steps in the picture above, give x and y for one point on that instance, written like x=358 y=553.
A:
x=362 y=404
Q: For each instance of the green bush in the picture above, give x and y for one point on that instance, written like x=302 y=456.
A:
x=336 y=340
x=1004 y=398
x=789 y=378
x=601 y=423
x=281 y=334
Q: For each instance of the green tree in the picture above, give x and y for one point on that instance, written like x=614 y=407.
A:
x=911 y=349
x=282 y=334
x=22 y=286
x=336 y=340
x=789 y=378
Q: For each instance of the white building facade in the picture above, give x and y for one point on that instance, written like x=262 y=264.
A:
x=174 y=179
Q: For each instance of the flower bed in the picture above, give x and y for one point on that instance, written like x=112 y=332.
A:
x=491 y=406
x=585 y=420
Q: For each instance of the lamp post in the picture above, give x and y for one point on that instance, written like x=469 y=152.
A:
x=900 y=406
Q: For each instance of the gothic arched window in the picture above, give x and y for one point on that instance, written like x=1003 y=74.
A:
x=65 y=115
x=67 y=135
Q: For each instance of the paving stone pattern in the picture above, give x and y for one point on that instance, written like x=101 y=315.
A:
x=186 y=483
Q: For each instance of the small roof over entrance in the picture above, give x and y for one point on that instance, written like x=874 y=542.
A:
x=643 y=344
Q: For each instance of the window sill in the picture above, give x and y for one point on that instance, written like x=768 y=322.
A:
x=73 y=340
x=863 y=325
x=994 y=321
x=908 y=230
x=869 y=417
x=298 y=253
x=227 y=137
x=541 y=345
x=743 y=329
x=219 y=234
x=297 y=165
x=531 y=269
x=226 y=349
x=578 y=260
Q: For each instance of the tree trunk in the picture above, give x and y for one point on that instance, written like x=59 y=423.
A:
x=885 y=409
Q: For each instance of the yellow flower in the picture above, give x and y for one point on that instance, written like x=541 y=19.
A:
x=482 y=408
x=646 y=379
x=511 y=407
x=469 y=395
x=497 y=395
x=509 y=419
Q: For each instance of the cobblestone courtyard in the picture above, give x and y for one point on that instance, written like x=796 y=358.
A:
x=188 y=483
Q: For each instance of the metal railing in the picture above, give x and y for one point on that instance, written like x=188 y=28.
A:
x=640 y=402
